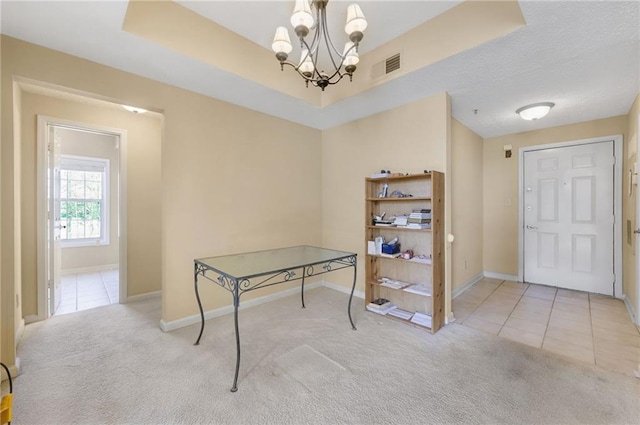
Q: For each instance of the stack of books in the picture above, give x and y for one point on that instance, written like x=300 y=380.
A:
x=381 y=306
x=419 y=219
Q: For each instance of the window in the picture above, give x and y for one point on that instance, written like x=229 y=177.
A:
x=83 y=200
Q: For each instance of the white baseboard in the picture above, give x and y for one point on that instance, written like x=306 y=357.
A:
x=190 y=320
x=501 y=276
x=154 y=294
x=632 y=312
x=32 y=318
x=14 y=370
x=467 y=285
x=449 y=319
x=344 y=289
x=91 y=269
x=19 y=331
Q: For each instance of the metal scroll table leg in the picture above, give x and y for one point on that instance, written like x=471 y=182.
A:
x=302 y=288
x=236 y=304
x=353 y=288
x=195 y=279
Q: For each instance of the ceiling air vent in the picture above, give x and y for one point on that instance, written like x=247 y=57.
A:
x=385 y=67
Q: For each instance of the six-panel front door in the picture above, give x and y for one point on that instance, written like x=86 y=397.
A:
x=569 y=217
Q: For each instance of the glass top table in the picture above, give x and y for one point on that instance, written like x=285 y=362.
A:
x=240 y=273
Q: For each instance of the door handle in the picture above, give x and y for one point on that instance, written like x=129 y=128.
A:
x=636 y=231
x=531 y=227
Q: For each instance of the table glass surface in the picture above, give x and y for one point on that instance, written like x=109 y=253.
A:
x=258 y=263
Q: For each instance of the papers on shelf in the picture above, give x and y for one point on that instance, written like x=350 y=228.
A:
x=402 y=314
x=379 y=175
x=401 y=220
x=421 y=319
x=394 y=284
x=418 y=226
x=421 y=259
x=385 y=223
x=383 y=310
x=419 y=289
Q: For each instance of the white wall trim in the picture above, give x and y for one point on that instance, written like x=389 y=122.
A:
x=502 y=276
x=14 y=370
x=343 y=289
x=190 y=320
x=20 y=331
x=467 y=285
x=617 y=202
x=140 y=297
x=31 y=318
x=92 y=269
x=632 y=313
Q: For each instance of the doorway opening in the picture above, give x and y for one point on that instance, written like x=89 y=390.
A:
x=81 y=207
x=570 y=210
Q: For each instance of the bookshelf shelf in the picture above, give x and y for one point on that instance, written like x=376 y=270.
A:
x=398 y=228
x=409 y=199
x=427 y=192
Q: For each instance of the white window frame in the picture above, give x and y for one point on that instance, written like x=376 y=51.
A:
x=85 y=163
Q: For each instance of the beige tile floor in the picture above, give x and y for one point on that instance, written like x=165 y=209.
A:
x=591 y=328
x=82 y=291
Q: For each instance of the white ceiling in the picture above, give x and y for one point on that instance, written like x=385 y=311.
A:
x=582 y=55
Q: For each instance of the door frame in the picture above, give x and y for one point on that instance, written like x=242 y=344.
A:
x=617 y=202
x=635 y=312
x=41 y=204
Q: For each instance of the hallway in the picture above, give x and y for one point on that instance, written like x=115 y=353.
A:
x=592 y=328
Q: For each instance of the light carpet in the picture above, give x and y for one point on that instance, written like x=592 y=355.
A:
x=113 y=365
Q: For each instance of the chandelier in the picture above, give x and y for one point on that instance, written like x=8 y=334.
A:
x=303 y=22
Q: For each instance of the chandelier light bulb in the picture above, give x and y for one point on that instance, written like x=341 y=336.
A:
x=306 y=64
x=281 y=41
x=350 y=54
x=302 y=19
x=356 y=22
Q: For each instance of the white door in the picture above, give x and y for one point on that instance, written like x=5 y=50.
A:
x=55 y=222
x=569 y=217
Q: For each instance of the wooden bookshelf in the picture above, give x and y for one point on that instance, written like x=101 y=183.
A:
x=427 y=192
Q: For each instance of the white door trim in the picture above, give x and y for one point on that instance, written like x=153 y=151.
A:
x=617 y=196
x=41 y=203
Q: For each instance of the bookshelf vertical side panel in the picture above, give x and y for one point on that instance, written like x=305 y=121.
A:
x=437 y=211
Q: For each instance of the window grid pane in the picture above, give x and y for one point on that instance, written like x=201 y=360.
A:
x=81 y=204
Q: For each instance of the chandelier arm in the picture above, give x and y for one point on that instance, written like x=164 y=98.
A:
x=328 y=41
x=303 y=44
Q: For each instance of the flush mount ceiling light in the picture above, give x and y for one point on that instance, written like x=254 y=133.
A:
x=343 y=63
x=134 y=109
x=535 y=111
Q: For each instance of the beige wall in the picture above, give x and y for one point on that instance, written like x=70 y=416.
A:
x=407 y=139
x=143 y=188
x=86 y=144
x=466 y=191
x=232 y=179
x=629 y=211
x=3 y=331
x=500 y=186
